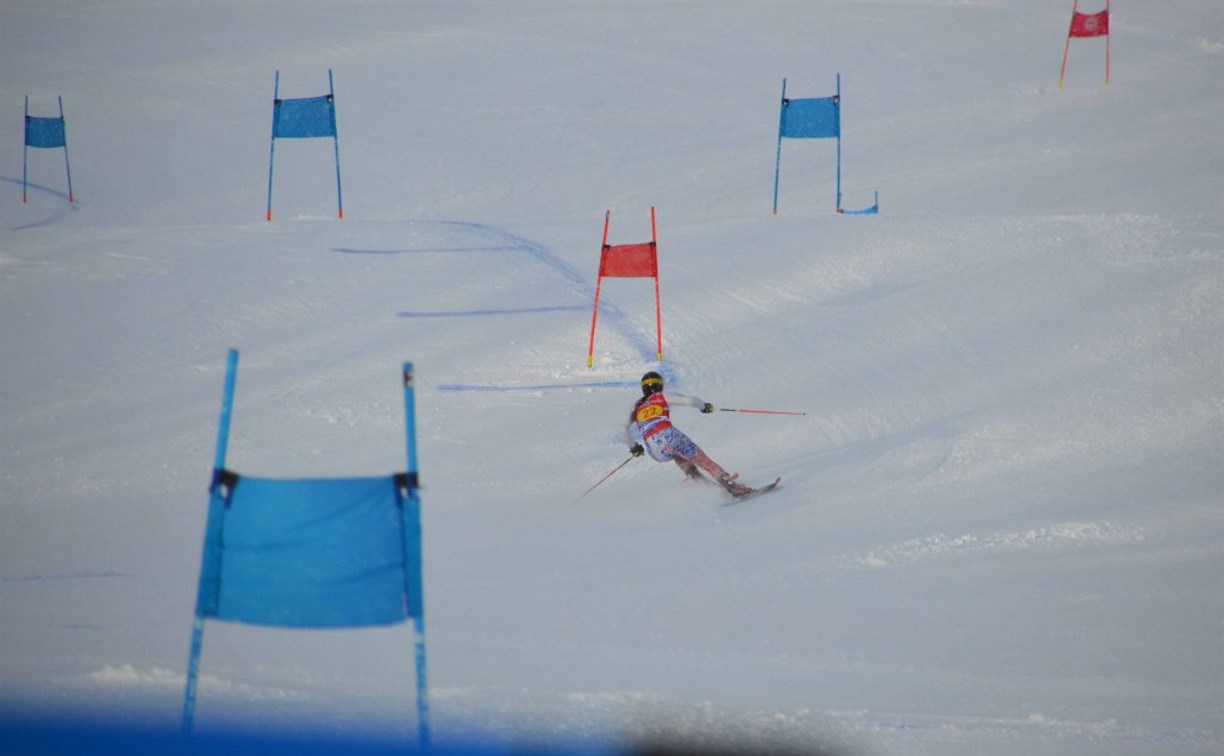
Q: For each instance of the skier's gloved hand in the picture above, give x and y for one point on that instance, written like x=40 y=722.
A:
x=636 y=450
x=708 y=408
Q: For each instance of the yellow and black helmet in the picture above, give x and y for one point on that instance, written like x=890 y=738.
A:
x=652 y=383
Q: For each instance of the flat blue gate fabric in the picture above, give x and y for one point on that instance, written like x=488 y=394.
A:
x=815 y=117
x=306 y=553
x=44 y=132
x=304 y=118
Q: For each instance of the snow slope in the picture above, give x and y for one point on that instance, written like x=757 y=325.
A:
x=1001 y=525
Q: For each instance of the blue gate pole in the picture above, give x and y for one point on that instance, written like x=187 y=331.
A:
x=412 y=557
x=778 y=159
x=197 y=629
x=66 y=166
x=25 y=149
x=227 y=404
x=272 y=146
x=336 y=139
x=838 y=101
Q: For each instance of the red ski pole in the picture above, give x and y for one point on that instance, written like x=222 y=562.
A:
x=762 y=412
x=609 y=475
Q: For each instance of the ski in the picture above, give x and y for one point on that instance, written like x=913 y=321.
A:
x=752 y=493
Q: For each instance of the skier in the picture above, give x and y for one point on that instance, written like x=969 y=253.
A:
x=665 y=442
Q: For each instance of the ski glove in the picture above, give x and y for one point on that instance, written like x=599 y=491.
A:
x=708 y=408
x=637 y=450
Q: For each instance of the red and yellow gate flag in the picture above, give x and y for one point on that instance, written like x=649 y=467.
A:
x=1090 y=24
x=1086 y=25
x=628 y=261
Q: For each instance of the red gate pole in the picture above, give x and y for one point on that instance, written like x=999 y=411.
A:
x=1067 y=46
x=1107 y=35
x=603 y=248
x=654 y=243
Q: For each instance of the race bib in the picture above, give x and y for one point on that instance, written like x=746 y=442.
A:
x=648 y=412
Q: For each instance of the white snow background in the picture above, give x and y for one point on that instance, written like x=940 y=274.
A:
x=1001 y=523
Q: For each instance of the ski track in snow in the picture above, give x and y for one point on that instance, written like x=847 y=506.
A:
x=942 y=547
x=55 y=216
x=610 y=315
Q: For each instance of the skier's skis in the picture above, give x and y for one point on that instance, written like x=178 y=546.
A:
x=752 y=493
x=737 y=491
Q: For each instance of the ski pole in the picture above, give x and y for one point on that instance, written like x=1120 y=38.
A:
x=609 y=475
x=762 y=412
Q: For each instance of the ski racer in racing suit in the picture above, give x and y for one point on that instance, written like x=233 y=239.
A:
x=665 y=442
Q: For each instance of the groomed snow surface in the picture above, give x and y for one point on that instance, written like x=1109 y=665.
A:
x=1001 y=523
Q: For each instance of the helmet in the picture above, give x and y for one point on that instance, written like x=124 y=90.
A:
x=652 y=383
